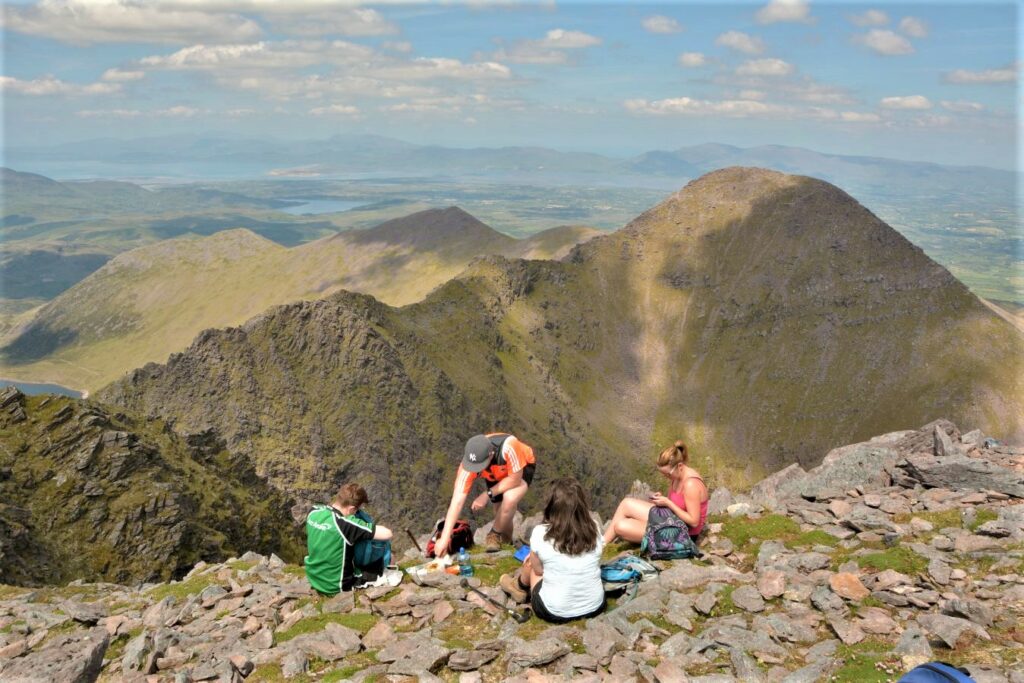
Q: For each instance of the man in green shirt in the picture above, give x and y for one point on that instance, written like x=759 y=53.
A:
x=332 y=531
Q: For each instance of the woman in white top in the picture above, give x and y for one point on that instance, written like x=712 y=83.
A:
x=563 y=571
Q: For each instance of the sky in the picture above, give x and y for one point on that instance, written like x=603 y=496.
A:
x=922 y=81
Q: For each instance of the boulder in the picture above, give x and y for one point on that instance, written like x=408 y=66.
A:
x=68 y=659
x=959 y=472
x=950 y=630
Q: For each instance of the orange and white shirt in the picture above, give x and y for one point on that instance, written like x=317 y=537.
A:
x=512 y=457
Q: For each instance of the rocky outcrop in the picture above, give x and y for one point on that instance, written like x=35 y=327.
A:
x=791 y=595
x=87 y=494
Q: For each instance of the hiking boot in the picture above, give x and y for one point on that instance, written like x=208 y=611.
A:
x=492 y=543
x=515 y=590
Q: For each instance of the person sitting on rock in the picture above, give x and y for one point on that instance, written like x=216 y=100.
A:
x=687 y=498
x=332 y=532
x=561 y=576
x=506 y=465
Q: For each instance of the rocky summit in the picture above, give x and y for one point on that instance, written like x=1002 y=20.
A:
x=899 y=550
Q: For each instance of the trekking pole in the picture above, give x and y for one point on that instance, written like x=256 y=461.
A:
x=520 y=617
x=414 y=541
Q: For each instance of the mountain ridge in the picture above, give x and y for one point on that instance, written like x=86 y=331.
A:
x=757 y=315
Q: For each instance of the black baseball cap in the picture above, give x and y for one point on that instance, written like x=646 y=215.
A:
x=477 y=454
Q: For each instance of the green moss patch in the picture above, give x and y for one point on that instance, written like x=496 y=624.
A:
x=182 y=589
x=983 y=515
x=353 y=620
x=351 y=665
x=901 y=559
x=743 y=531
x=490 y=569
x=866 y=662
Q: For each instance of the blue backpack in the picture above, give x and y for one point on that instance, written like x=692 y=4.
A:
x=936 y=672
x=667 y=537
x=366 y=553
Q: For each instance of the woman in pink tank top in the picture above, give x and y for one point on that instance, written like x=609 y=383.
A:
x=687 y=498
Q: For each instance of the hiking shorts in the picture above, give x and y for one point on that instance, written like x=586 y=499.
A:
x=527 y=477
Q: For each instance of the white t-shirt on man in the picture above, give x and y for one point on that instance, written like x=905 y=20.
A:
x=572 y=583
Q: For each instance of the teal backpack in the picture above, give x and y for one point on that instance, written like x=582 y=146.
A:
x=368 y=552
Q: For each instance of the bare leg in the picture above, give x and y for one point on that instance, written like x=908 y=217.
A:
x=506 y=509
x=529 y=576
x=629 y=521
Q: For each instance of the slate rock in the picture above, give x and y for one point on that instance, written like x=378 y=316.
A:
x=959 y=472
x=471 y=660
x=414 y=654
x=748 y=598
x=973 y=610
x=951 y=629
x=68 y=659
x=602 y=641
x=913 y=647
x=684 y=576
x=848 y=586
x=528 y=653
x=771 y=583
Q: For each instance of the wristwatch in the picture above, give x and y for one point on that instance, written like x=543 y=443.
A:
x=490 y=495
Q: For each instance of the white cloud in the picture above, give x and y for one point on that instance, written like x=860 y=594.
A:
x=661 y=24
x=962 y=106
x=914 y=27
x=692 y=59
x=108 y=113
x=859 y=117
x=48 y=85
x=354 y=21
x=120 y=75
x=932 y=120
x=885 y=42
x=283 y=86
x=179 y=111
x=403 y=46
x=691 y=106
x=335 y=110
x=239 y=113
x=741 y=42
x=872 y=17
x=84 y=22
x=551 y=49
x=286 y=54
x=753 y=95
x=906 y=102
x=784 y=10
x=427 y=68
x=764 y=67
x=1006 y=74
x=568 y=40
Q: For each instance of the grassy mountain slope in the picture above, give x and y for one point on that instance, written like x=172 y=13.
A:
x=87 y=494
x=146 y=303
x=760 y=316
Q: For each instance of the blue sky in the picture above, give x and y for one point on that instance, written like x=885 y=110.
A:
x=924 y=81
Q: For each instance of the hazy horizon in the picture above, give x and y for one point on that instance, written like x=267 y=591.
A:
x=922 y=81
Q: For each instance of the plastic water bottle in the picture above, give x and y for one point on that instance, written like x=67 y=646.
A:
x=465 y=567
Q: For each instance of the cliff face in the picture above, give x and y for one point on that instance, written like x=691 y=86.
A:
x=87 y=494
x=761 y=317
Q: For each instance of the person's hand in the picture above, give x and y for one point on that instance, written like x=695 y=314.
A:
x=479 y=503
x=659 y=500
x=441 y=546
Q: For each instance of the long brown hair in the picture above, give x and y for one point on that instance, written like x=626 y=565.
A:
x=571 y=528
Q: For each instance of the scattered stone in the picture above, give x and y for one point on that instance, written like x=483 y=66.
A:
x=74 y=659
x=705 y=602
x=471 y=660
x=748 y=598
x=848 y=586
x=293 y=664
x=527 y=653
x=951 y=629
x=848 y=632
x=973 y=610
x=771 y=584
x=913 y=647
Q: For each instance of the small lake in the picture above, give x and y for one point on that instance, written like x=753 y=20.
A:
x=31 y=389
x=318 y=206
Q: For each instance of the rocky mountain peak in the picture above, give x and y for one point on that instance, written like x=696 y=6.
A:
x=426 y=229
x=876 y=561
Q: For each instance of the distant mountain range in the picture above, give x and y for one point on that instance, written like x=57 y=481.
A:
x=372 y=154
x=149 y=302
x=760 y=316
